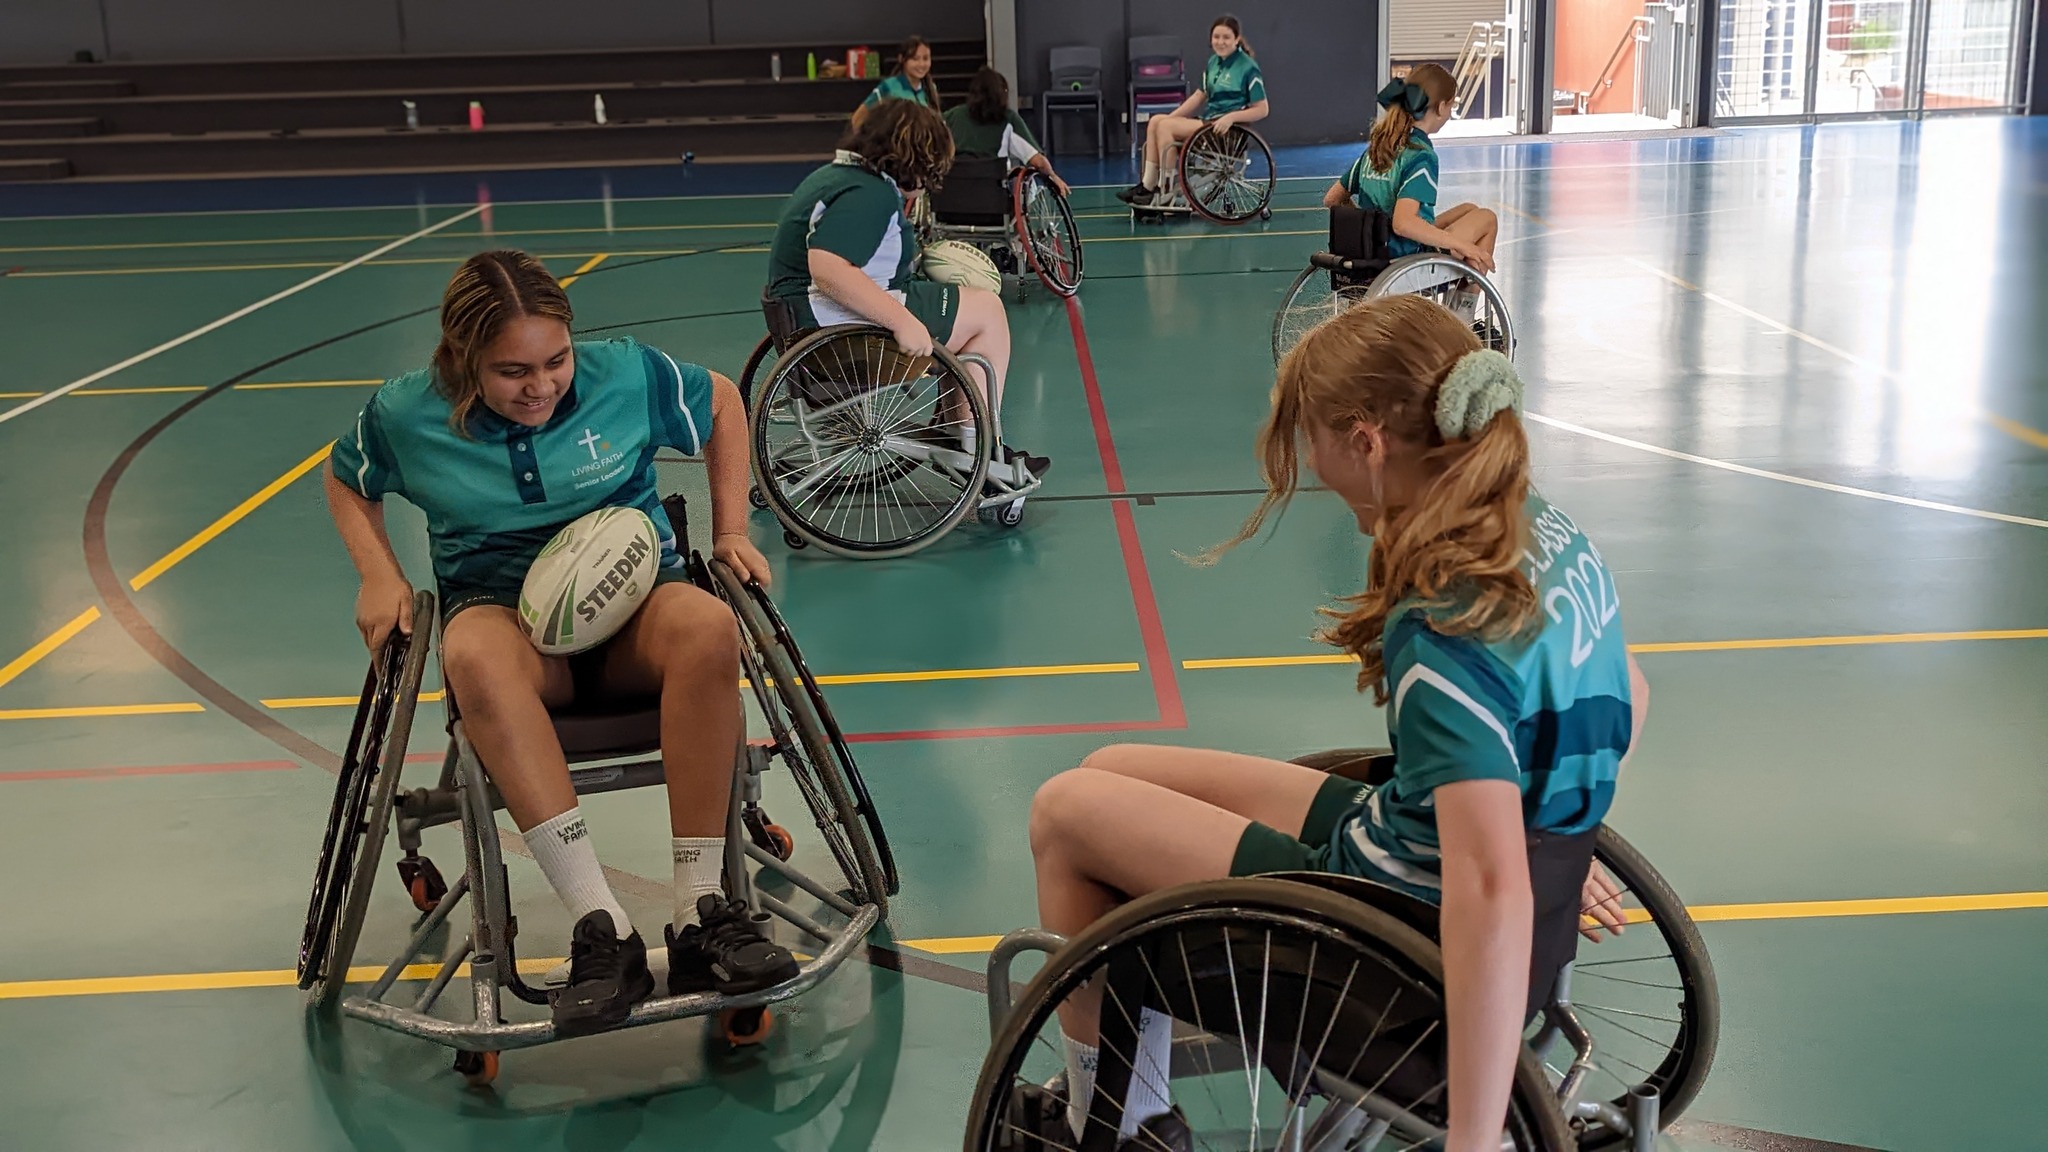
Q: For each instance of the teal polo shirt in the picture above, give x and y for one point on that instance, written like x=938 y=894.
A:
x=495 y=496
x=1231 y=84
x=896 y=86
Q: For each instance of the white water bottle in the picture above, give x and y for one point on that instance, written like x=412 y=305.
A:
x=775 y=65
x=597 y=107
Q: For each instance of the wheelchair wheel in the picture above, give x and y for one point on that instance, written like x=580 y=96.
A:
x=1045 y=225
x=807 y=744
x=361 y=811
x=764 y=354
x=1302 y=1019
x=1647 y=998
x=857 y=446
x=1228 y=180
x=1315 y=297
x=1441 y=278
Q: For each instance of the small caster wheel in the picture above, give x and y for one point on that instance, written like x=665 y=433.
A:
x=1010 y=515
x=755 y=497
x=1265 y=213
x=796 y=543
x=769 y=837
x=422 y=882
x=478 y=1068
x=744 y=1027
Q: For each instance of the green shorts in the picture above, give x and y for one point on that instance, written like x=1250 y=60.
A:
x=584 y=667
x=1264 y=848
x=936 y=306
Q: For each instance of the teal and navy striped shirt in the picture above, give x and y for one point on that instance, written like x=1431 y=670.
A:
x=495 y=497
x=1549 y=709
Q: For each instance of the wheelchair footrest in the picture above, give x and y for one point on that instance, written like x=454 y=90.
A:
x=488 y=1036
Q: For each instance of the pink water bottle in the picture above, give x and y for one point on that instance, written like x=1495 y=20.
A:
x=476 y=115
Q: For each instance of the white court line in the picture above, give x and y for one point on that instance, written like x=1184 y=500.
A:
x=196 y=333
x=1783 y=478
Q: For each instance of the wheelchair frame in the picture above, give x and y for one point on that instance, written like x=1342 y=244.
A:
x=1000 y=490
x=1220 y=166
x=1014 y=244
x=608 y=751
x=1596 y=1124
x=1354 y=277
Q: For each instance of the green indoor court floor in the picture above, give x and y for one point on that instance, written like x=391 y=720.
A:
x=1785 y=378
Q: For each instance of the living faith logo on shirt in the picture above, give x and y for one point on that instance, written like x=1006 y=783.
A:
x=593 y=441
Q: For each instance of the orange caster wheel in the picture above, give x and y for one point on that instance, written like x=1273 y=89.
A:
x=422 y=881
x=744 y=1027
x=785 y=844
x=767 y=835
x=478 y=1068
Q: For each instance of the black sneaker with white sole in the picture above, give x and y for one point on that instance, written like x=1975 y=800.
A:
x=724 y=952
x=607 y=977
x=1135 y=194
x=1038 y=1123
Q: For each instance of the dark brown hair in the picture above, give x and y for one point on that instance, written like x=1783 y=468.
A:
x=988 y=96
x=1237 y=30
x=905 y=141
x=1457 y=547
x=489 y=291
x=908 y=49
x=1390 y=131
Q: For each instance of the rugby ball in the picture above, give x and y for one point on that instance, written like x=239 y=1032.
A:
x=958 y=262
x=589 y=580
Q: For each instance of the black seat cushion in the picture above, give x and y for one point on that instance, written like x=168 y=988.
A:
x=974 y=193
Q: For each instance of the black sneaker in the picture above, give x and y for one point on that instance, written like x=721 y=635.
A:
x=1166 y=1132
x=1135 y=193
x=607 y=977
x=724 y=952
x=1038 y=1123
x=1038 y=466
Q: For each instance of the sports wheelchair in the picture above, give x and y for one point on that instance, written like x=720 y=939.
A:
x=1308 y=1010
x=611 y=746
x=1016 y=216
x=1224 y=179
x=1358 y=266
x=858 y=447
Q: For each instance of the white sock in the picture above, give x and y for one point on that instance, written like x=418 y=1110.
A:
x=568 y=859
x=1151 y=179
x=969 y=439
x=700 y=869
x=1147 y=1095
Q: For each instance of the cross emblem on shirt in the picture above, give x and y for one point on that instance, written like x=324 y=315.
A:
x=589 y=441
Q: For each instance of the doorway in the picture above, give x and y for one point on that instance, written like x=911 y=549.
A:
x=1841 y=59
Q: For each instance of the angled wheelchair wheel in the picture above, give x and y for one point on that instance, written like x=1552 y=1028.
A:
x=1045 y=227
x=763 y=356
x=1316 y=295
x=858 y=447
x=1447 y=280
x=361 y=812
x=1301 y=1020
x=1227 y=179
x=807 y=743
x=1646 y=1001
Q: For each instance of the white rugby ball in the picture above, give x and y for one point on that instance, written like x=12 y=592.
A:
x=958 y=262
x=589 y=580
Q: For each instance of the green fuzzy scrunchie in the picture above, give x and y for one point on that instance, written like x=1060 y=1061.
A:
x=1482 y=385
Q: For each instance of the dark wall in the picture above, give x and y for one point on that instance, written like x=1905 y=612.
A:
x=1318 y=56
x=50 y=31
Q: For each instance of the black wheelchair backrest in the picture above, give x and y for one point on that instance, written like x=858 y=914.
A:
x=783 y=326
x=1359 y=233
x=974 y=192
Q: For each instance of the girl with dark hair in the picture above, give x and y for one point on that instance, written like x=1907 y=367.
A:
x=515 y=430
x=1397 y=174
x=1489 y=629
x=986 y=126
x=1233 y=92
x=911 y=79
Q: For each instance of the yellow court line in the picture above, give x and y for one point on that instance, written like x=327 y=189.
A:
x=398 y=262
x=100 y=711
x=1701 y=913
x=1200 y=236
x=272 y=241
x=222 y=981
x=432 y=697
x=2017 y=430
x=172 y=559
x=282 y=384
x=136 y=391
x=274 y=386
x=49 y=644
x=1676 y=646
x=593 y=262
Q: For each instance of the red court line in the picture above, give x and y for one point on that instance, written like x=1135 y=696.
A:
x=1158 y=656
x=149 y=770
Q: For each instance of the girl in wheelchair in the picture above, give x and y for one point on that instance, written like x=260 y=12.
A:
x=1488 y=627
x=1397 y=174
x=513 y=431
x=986 y=126
x=844 y=254
x=1233 y=92
x=912 y=79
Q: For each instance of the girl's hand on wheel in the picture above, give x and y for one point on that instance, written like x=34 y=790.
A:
x=738 y=553
x=383 y=603
x=912 y=336
x=1600 y=905
x=1473 y=255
